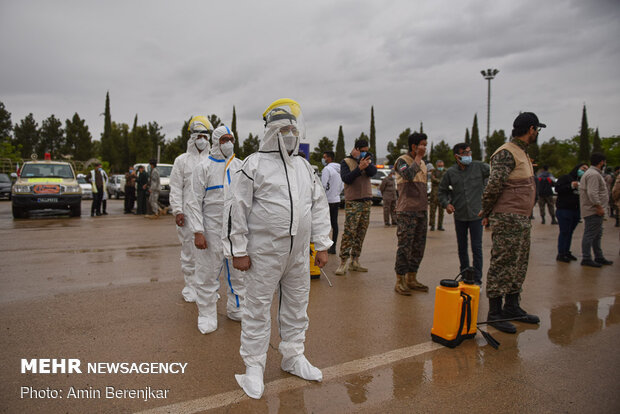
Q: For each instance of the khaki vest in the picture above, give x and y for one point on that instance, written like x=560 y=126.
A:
x=360 y=188
x=412 y=193
x=519 y=192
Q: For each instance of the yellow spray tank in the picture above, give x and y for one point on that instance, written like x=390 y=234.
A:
x=456 y=310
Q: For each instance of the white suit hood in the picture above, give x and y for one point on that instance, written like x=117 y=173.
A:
x=216 y=150
x=180 y=177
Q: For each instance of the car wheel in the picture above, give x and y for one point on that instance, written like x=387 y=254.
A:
x=19 y=213
x=76 y=210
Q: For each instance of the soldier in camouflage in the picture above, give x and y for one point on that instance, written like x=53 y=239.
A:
x=436 y=176
x=355 y=171
x=507 y=202
x=411 y=215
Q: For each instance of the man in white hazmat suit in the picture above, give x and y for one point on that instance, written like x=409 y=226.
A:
x=210 y=182
x=276 y=207
x=181 y=192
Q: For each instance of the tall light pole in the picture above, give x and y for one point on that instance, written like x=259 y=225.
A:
x=489 y=74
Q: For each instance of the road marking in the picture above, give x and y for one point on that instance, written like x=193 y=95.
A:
x=291 y=383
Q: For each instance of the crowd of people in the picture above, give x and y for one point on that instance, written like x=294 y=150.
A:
x=248 y=225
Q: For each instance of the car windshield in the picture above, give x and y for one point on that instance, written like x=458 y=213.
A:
x=47 y=171
x=164 y=170
x=4 y=178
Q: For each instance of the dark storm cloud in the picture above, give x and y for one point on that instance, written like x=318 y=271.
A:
x=413 y=61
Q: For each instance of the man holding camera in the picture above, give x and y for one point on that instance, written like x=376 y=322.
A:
x=355 y=171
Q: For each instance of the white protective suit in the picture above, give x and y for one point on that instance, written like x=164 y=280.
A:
x=277 y=206
x=180 y=194
x=211 y=181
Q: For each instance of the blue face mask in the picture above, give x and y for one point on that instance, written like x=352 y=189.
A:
x=466 y=159
x=580 y=173
x=363 y=155
x=440 y=168
x=323 y=162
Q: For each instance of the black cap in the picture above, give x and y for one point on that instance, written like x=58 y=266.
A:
x=526 y=120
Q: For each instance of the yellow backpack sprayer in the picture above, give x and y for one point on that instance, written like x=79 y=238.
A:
x=456 y=311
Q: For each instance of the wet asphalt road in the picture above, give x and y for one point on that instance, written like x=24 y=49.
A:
x=107 y=289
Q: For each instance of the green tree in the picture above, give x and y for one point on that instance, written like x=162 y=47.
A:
x=611 y=149
x=250 y=145
x=373 y=133
x=107 y=147
x=340 y=150
x=560 y=156
x=325 y=144
x=215 y=120
x=178 y=145
x=395 y=150
x=442 y=151
x=6 y=126
x=421 y=127
x=476 y=151
x=233 y=128
x=51 y=138
x=118 y=152
x=26 y=135
x=584 y=138
x=496 y=140
x=155 y=137
x=596 y=142
x=467 y=139
x=78 y=139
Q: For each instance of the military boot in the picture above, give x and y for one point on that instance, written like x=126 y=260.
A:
x=513 y=310
x=344 y=266
x=495 y=313
x=401 y=286
x=413 y=284
x=356 y=266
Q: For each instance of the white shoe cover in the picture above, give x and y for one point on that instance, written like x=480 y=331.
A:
x=252 y=382
x=189 y=294
x=234 y=316
x=207 y=325
x=304 y=369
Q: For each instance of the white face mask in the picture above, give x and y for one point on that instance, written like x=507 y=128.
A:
x=227 y=149
x=290 y=141
x=201 y=144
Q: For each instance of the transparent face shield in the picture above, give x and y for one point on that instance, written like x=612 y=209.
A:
x=285 y=115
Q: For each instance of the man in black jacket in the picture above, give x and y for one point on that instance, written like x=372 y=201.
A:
x=567 y=210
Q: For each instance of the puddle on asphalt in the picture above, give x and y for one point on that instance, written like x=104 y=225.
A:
x=406 y=379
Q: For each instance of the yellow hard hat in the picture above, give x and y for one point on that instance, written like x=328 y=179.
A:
x=199 y=123
x=283 y=108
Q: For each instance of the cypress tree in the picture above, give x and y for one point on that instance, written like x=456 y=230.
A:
x=106 y=144
x=373 y=138
x=596 y=142
x=233 y=128
x=476 y=152
x=421 y=127
x=584 y=138
x=467 y=140
x=340 y=151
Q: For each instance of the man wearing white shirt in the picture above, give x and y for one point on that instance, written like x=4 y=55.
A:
x=330 y=178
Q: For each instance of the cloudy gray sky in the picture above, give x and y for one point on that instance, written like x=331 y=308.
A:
x=414 y=61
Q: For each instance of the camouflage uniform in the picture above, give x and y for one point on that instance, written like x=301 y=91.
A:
x=511 y=232
x=411 y=214
x=357 y=216
x=411 y=233
x=436 y=177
